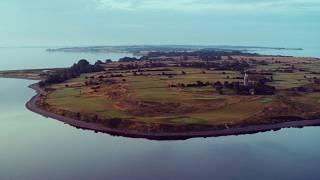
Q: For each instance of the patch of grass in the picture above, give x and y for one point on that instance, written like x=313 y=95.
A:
x=266 y=100
x=230 y=114
x=70 y=99
x=289 y=80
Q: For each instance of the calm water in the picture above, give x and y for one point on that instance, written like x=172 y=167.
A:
x=36 y=148
x=27 y=58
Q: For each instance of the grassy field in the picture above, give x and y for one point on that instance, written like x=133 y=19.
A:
x=190 y=105
x=148 y=97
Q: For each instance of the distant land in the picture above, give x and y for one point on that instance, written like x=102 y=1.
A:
x=144 y=49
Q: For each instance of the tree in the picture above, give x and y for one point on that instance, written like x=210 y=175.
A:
x=99 y=62
x=128 y=59
x=83 y=63
x=108 y=61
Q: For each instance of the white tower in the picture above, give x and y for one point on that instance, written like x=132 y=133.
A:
x=246 y=79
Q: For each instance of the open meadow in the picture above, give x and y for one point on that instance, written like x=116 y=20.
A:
x=177 y=95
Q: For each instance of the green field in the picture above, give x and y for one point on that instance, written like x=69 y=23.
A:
x=195 y=105
x=149 y=98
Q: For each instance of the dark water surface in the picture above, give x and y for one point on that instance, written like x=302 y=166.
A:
x=36 y=148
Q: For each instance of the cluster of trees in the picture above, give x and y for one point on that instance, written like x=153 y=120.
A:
x=83 y=66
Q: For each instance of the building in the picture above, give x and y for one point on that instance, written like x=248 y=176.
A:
x=253 y=78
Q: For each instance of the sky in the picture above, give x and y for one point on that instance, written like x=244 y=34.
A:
x=277 y=23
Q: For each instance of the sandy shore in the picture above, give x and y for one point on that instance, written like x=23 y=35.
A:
x=31 y=105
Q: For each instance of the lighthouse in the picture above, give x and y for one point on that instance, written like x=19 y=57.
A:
x=246 y=79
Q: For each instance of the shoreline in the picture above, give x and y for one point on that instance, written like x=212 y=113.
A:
x=31 y=105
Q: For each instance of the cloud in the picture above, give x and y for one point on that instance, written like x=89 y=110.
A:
x=209 y=5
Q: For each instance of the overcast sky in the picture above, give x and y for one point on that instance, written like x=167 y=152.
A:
x=286 y=23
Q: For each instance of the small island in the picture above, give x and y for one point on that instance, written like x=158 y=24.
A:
x=181 y=94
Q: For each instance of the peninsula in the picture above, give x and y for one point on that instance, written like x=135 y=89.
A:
x=180 y=94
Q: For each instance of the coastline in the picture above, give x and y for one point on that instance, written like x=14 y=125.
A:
x=31 y=105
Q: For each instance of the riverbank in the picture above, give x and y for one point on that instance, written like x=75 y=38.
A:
x=31 y=105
